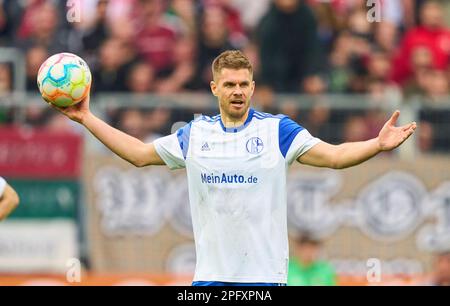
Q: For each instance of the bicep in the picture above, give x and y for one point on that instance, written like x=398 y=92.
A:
x=320 y=155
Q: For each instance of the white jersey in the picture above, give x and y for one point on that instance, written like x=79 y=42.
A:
x=2 y=186
x=237 y=193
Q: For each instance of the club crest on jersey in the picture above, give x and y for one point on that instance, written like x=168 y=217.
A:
x=254 y=145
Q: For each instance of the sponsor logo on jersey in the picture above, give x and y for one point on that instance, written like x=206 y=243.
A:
x=205 y=147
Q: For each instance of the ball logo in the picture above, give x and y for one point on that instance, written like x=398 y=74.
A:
x=254 y=145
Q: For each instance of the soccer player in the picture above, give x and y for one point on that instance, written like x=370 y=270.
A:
x=8 y=199
x=236 y=166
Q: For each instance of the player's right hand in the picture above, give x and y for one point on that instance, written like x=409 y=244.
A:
x=75 y=112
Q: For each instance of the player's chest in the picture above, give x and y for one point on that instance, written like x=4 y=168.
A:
x=252 y=147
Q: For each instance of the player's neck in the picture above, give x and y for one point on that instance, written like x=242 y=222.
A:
x=230 y=122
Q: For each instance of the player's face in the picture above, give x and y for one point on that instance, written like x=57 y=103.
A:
x=234 y=89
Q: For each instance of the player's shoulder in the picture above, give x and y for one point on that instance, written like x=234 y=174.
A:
x=286 y=126
x=262 y=116
x=206 y=119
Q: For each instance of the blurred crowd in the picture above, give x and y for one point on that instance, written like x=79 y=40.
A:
x=392 y=52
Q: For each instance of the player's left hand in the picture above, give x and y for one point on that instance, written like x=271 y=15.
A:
x=391 y=136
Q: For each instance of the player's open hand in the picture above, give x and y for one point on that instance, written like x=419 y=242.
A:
x=75 y=112
x=391 y=136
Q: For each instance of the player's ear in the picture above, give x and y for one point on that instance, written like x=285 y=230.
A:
x=213 y=86
x=252 y=88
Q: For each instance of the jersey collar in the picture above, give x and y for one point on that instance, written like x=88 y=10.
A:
x=236 y=129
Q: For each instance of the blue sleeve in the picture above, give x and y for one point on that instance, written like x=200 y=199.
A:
x=183 y=136
x=287 y=131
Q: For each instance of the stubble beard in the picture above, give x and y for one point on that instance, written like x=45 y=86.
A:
x=236 y=115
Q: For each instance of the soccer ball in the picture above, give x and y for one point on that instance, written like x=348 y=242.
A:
x=64 y=79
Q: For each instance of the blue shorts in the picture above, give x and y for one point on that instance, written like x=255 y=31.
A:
x=202 y=283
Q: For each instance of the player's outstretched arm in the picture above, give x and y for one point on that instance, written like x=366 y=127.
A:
x=353 y=153
x=127 y=147
x=8 y=202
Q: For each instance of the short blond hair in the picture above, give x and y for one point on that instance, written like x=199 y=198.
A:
x=231 y=59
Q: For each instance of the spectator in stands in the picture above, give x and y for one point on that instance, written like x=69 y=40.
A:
x=382 y=91
x=355 y=129
x=131 y=121
x=213 y=39
x=25 y=14
x=437 y=88
x=431 y=34
x=34 y=58
x=314 y=85
x=425 y=136
x=339 y=71
x=378 y=66
x=421 y=63
x=289 y=107
x=233 y=22
x=40 y=27
x=157 y=35
x=289 y=46
x=329 y=20
x=180 y=76
x=318 y=121
x=97 y=30
x=386 y=36
x=157 y=122
x=5 y=79
x=141 y=78
x=124 y=33
x=122 y=10
x=305 y=268
x=251 y=12
x=361 y=30
x=360 y=49
x=112 y=70
x=265 y=99
x=185 y=10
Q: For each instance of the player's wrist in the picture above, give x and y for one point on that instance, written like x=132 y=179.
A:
x=85 y=118
x=378 y=145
